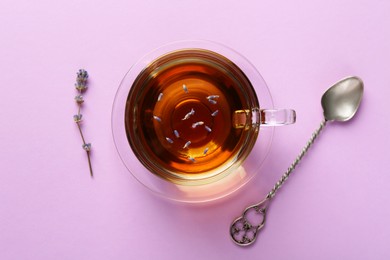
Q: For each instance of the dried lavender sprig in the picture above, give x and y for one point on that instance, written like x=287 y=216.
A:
x=81 y=86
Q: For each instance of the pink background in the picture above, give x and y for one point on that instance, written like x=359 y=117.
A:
x=335 y=206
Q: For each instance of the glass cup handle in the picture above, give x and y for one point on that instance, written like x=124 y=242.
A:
x=277 y=117
x=264 y=117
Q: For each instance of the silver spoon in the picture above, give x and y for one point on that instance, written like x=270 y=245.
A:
x=340 y=103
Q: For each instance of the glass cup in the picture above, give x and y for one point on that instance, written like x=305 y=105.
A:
x=193 y=121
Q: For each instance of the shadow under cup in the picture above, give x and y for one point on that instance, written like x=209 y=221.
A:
x=192 y=116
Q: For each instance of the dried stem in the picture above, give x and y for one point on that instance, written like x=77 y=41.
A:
x=81 y=132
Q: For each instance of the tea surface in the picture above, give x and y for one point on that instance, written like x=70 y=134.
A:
x=179 y=115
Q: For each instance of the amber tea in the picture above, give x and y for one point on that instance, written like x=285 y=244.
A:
x=188 y=115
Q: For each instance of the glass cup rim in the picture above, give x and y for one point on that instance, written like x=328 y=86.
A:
x=174 y=191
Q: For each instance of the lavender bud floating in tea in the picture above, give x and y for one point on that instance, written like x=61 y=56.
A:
x=81 y=86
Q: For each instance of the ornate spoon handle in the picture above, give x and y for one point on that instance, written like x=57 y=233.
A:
x=242 y=231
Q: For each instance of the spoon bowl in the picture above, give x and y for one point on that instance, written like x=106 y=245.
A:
x=341 y=101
